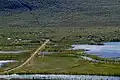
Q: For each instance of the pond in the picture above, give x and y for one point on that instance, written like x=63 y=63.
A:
x=108 y=50
x=5 y=52
x=58 y=77
x=2 y=62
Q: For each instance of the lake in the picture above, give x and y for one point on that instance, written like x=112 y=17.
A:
x=108 y=50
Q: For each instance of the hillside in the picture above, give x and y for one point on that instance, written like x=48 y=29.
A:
x=60 y=12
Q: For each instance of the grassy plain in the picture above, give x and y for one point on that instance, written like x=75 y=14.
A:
x=66 y=63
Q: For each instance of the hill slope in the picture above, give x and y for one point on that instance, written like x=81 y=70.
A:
x=60 y=12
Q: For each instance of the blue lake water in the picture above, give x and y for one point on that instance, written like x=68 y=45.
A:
x=108 y=50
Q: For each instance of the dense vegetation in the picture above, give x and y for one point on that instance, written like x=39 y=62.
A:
x=60 y=35
x=60 y=13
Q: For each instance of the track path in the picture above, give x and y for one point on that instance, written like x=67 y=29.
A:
x=31 y=57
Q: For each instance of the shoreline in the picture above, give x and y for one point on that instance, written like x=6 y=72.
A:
x=54 y=76
x=55 y=73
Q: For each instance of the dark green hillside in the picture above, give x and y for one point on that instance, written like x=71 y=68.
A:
x=60 y=12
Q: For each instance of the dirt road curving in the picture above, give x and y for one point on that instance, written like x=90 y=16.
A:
x=38 y=50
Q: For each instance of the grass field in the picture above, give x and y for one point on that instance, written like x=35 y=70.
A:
x=67 y=64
